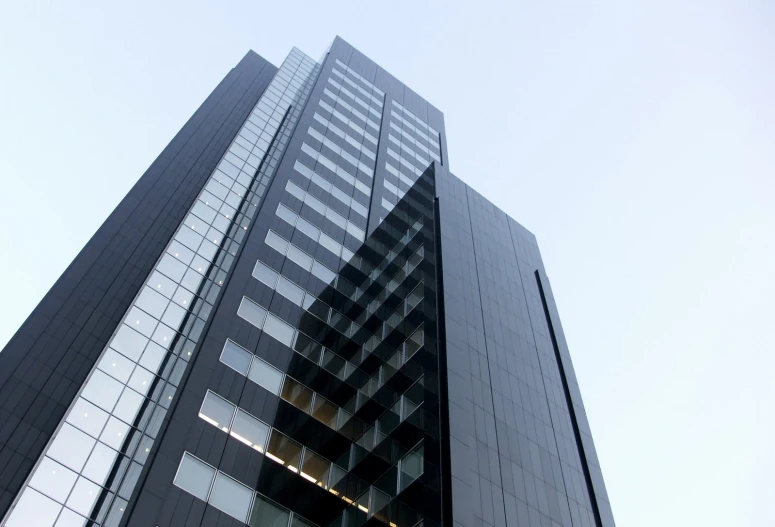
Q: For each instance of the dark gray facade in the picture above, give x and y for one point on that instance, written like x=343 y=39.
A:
x=322 y=326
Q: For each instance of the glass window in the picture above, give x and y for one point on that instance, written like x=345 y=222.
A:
x=141 y=381
x=217 y=411
x=265 y=274
x=290 y=291
x=70 y=519
x=152 y=357
x=194 y=476
x=325 y=411
x=83 y=496
x=102 y=390
x=101 y=462
x=307 y=228
x=53 y=479
x=323 y=272
x=128 y=405
x=152 y=302
x=252 y=312
x=265 y=375
x=171 y=267
x=284 y=450
x=87 y=417
x=116 y=365
x=300 y=257
x=278 y=329
x=315 y=469
x=231 y=497
x=236 y=357
x=297 y=394
x=115 y=433
x=128 y=342
x=249 y=430
x=267 y=514
x=287 y=214
x=410 y=467
x=36 y=509
x=276 y=242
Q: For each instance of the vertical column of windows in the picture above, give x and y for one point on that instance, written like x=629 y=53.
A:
x=90 y=468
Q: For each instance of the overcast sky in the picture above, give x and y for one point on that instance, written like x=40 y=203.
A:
x=637 y=141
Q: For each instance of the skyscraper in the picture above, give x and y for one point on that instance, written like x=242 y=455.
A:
x=298 y=316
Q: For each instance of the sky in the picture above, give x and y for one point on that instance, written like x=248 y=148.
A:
x=634 y=139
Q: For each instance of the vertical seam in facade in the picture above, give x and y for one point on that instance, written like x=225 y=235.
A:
x=487 y=354
x=441 y=349
x=540 y=368
x=569 y=402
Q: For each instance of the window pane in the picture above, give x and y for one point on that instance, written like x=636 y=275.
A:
x=278 y=329
x=325 y=411
x=194 y=476
x=83 y=497
x=290 y=291
x=265 y=375
x=71 y=447
x=101 y=462
x=34 y=509
x=249 y=430
x=231 y=497
x=265 y=274
x=236 y=357
x=128 y=342
x=315 y=469
x=87 y=417
x=267 y=514
x=284 y=450
x=116 y=365
x=297 y=394
x=53 y=480
x=102 y=390
x=217 y=411
x=252 y=312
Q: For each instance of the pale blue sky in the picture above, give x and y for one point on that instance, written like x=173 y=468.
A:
x=634 y=139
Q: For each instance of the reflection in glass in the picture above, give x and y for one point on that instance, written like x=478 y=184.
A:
x=194 y=476
x=231 y=497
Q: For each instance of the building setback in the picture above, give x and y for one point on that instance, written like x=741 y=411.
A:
x=299 y=317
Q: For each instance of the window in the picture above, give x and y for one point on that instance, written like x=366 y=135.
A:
x=267 y=514
x=284 y=450
x=249 y=430
x=231 y=497
x=297 y=394
x=53 y=479
x=278 y=329
x=217 y=411
x=236 y=357
x=194 y=476
x=252 y=312
x=265 y=375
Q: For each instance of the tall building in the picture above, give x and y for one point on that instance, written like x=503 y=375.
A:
x=298 y=316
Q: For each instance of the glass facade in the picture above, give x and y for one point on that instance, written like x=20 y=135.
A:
x=339 y=332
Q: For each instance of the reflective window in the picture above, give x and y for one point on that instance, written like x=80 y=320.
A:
x=297 y=394
x=194 y=476
x=284 y=450
x=83 y=496
x=252 y=312
x=71 y=447
x=34 y=508
x=267 y=514
x=265 y=274
x=217 y=411
x=87 y=417
x=102 y=390
x=53 y=479
x=231 y=497
x=278 y=329
x=236 y=357
x=249 y=430
x=265 y=375
x=100 y=464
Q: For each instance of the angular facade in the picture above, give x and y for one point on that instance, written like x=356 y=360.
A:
x=299 y=317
